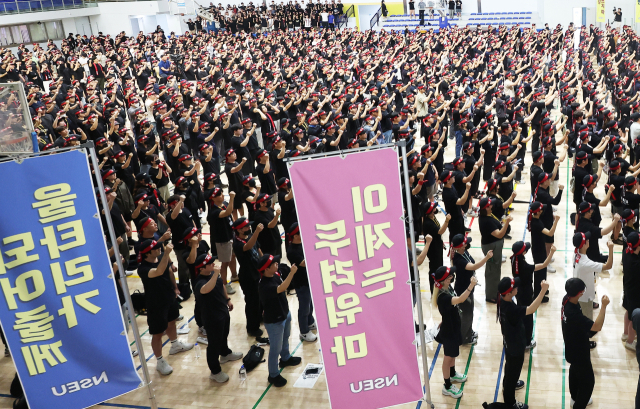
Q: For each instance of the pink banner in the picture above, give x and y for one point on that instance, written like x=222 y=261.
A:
x=351 y=221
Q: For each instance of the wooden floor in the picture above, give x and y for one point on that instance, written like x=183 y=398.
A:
x=545 y=371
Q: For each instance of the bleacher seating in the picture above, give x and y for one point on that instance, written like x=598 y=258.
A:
x=522 y=18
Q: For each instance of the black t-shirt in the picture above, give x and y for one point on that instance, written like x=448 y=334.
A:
x=463 y=276
x=525 y=272
x=203 y=248
x=512 y=325
x=158 y=290
x=269 y=238
x=295 y=254
x=235 y=179
x=163 y=181
x=586 y=225
x=267 y=180
x=432 y=227
x=489 y=224
x=275 y=304
x=213 y=305
x=221 y=231
x=248 y=259
x=450 y=330
x=450 y=198
x=576 y=331
x=579 y=174
x=118 y=224
x=538 y=249
x=178 y=226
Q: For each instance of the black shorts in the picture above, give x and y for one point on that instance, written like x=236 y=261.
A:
x=451 y=349
x=159 y=317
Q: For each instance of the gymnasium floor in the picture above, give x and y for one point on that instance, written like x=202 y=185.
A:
x=545 y=371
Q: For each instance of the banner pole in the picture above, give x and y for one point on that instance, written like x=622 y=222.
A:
x=418 y=294
x=123 y=275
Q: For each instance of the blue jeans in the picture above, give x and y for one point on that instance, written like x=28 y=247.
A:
x=278 y=343
x=305 y=309
x=458 y=144
x=385 y=137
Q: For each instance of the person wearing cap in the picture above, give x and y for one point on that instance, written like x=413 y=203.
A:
x=159 y=173
x=539 y=234
x=209 y=291
x=616 y=178
x=295 y=254
x=450 y=336
x=179 y=219
x=466 y=268
x=266 y=175
x=543 y=196
x=584 y=224
x=581 y=169
x=512 y=318
x=521 y=269
x=161 y=293
x=631 y=287
x=576 y=331
x=453 y=203
x=277 y=317
x=235 y=176
x=270 y=240
x=242 y=144
x=247 y=252
x=634 y=134
x=220 y=221
x=586 y=269
x=462 y=178
x=432 y=227
x=503 y=178
x=492 y=231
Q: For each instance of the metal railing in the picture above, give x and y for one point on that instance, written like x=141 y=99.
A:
x=34 y=6
x=343 y=20
x=375 y=19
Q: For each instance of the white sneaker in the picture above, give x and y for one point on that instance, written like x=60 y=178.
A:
x=555 y=208
x=202 y=340
x=128 y=273
x=504 y=258
x=234 y=356
x=531 y=345
x=180 y=318
x=624 y=337
x=134 y=353
x=220 y=377
x=314 y=326
x=631 y=346
x=550 y=269
x=588 y=404
x=179 y=346
x=453 y=391
x=202 y=331
x=163 y=367
x=309 y=337
x=230 y=289
x=553 y=259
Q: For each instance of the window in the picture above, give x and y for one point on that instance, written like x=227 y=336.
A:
x=34 y=32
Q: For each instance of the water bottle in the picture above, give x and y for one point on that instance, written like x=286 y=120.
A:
x=243 y=374
x=197 y=349
x=320 y=352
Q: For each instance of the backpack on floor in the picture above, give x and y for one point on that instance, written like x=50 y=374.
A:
x=253 y=358
x=139 y=303
x=185 y=291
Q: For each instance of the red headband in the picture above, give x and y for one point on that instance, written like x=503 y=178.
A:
x=204 y=263
x=146 y=223
x=438 y=283
x=267 y=264
x=510 y=288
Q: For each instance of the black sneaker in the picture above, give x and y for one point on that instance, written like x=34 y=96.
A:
x=519 y=385
x=277 y=381
x=292 y=361
x=255 y=333
x=592 y=344
x=545 y=299
x=507 y=237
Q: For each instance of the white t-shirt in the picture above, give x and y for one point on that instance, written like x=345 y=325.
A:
x=325 y=16
x=586 y=270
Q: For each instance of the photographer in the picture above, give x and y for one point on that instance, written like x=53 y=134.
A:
x=617 y=18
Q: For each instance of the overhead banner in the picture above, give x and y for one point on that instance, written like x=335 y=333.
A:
x=59 y=310
x=637 y=11
x=351 y=221
x=600 y=13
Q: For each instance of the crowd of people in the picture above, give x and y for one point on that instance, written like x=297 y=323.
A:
x=196 y=129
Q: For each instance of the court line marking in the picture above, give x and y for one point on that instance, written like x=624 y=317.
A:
x=433 y=364
x=115 y=405
x=165 y=342
x=269 y=386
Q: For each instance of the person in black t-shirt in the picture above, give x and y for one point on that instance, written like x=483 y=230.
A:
x=277 y=317
x=265 y=174
x=492 y=232
x=234 y=174
x=160 y=298
x=209 y=291
x=431 y=227
x=179 y=219
x=295 y=254
x=453 y=203
x=585 y=224
x=521 y=269
x=450 y=336
x=539 y=233
x=576 y=331
x=220 y=222
x=270 y=241
x=247 y=252
x=512 y=317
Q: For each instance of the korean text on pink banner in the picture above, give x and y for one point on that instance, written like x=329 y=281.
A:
x=352 y=225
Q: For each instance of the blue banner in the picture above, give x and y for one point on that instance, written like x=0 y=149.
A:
x=59 y=308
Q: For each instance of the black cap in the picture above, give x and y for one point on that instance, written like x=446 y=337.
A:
x=589 y=180
x=630 y=181
x=443 y=272
x=579 y=239
x=240 y=223
x=485 y=202
x=582 y=155
x=203 y=260
x=574 y=286
x=294 y=229
x=537 y=155
x=506 y=285
x=633 y=240
x=635 y=116
x=267 y=260
x=627 y=214
x=584 y=207
x=520 y=247
x=459 y=240
x=143 y=177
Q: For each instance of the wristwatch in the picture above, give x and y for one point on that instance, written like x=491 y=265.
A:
x=228 y=299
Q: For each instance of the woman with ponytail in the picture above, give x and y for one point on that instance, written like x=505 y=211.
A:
x=512 y=322
x=466 y=267
x=539 y=233
x=431 y=227
x=542 y=195
x=450 y=335
x=492 y=232
x=521 y=269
